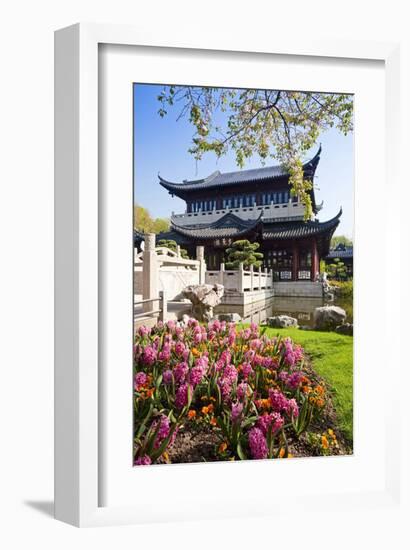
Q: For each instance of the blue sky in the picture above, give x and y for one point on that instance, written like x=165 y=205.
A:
x=161 y=146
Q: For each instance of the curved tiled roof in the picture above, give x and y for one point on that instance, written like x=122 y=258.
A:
x=346 y=252
x=294 y=230
x=232 y=226
x=227 y=226
x=218 y=179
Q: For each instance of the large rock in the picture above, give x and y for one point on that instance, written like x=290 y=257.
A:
x=328 y=317
x=282 y=321
x=203 y=298
x=229 y=317
x=346 y=328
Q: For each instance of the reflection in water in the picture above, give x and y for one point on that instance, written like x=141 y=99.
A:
x=303 y=308
x=300 y=308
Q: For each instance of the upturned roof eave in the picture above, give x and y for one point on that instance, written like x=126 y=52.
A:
x=292 y=230
x=242 y=226
x=186 y=187
x=280 y=230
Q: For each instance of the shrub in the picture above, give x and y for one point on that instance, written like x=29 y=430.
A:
x=343 y=289
x=337 y=271
x=172 y=245
x=244 y=252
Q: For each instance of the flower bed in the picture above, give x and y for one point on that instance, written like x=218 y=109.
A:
x=249 y=391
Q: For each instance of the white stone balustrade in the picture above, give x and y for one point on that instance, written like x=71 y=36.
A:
x=283 y=211
x=241 y=280
x=149 y=273
x=160 y=275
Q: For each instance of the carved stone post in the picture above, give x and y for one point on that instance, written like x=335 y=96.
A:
x=178 y=251
x=200 y=256
x=222 y=273
x=149 y=273
x=163 y=306
x=251 y=268
x=266 y=284
x=240 y=278
x=260 y=278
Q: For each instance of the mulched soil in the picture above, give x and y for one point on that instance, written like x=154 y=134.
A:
x=197 y=443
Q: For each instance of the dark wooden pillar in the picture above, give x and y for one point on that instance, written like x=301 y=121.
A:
x=295 y=261
x=315 y=261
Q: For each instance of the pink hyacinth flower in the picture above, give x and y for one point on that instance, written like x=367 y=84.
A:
x=143 y=461
x=181 y=397
x=236 y=411
x=257 y=443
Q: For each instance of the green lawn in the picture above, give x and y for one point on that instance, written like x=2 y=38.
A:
x=332 y=358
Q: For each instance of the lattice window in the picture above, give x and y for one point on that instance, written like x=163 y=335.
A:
x=280 y=258
x=304 y=275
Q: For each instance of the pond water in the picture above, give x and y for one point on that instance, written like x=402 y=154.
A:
x=303 y=308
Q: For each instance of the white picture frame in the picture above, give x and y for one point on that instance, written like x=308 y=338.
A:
x=77 y=265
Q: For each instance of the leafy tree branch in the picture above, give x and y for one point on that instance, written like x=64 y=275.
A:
x=268 y=123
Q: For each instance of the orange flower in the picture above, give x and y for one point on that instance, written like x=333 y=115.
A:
x=208 y=409
x=282 y=452
x=320 y=390
x=222 y=447
x=213 y=421
x=195 y=352
x=319 y=402
x=332 y=435
x=191 y=413
x=325 y=442
x=150 y=392
x=166 y=456
x=264 y=404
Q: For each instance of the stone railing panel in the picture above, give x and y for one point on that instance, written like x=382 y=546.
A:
x=240 y=280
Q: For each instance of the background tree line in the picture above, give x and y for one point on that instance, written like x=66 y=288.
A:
x=144 y=222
